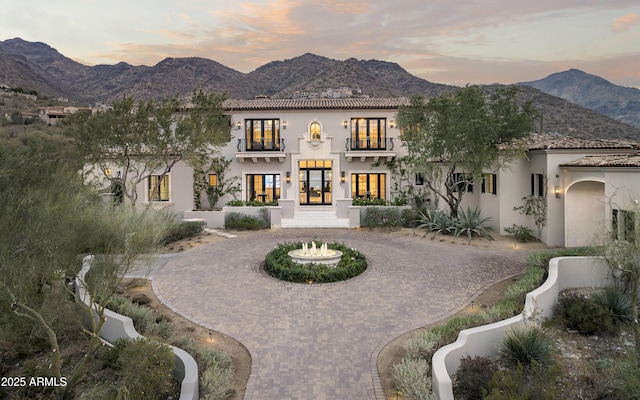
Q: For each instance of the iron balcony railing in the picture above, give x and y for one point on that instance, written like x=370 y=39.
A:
x=260 y=145
x=369 y=144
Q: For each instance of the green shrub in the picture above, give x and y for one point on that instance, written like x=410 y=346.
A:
x=279 y=265
x=541 y=259
x=621 y=380
x=520 y=232
x=578 y=312
x=362 y=201
x=409 y=217
x=525 y=384
x=423 y=345
x=449 y=331
x=473 y=377
x=241 y=221
x=235 y=203
x=382 y=217
x=146 y=368
x=183 y=230
x=412 y=379
x=618 y=303
x=160 y=329
x=217 y=380
x=470 y=224
x=527 y=346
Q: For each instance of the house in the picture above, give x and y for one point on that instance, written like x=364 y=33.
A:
x=313 y=156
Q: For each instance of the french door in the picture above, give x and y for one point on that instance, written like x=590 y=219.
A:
x=315 y=182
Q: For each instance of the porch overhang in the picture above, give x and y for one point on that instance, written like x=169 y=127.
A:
x=267 y=156
x=374 y=155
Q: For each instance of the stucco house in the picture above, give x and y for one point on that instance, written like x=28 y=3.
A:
x=313 y=156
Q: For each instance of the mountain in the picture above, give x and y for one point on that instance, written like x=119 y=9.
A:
x=37 y=66
x=593 y=92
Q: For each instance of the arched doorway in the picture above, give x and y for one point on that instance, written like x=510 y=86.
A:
x=584 y=213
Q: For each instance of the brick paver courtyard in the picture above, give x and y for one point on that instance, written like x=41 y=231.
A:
x=313 y=342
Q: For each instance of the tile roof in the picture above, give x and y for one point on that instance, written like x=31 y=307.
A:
x=309 y=104
x=608 y=160
x=558 y=142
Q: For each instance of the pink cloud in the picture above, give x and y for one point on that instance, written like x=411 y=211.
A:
x=625 y=22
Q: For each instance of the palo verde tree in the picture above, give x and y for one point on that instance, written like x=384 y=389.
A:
x=456 y=137
x=132 y=141
x=49 y=218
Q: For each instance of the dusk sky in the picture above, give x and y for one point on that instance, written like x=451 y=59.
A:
x=443 y=41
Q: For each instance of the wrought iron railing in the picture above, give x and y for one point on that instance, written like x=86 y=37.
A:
x=369 y=144
x=260 y=145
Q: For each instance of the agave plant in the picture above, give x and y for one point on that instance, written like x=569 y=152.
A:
x=527 y=345
x=470 y=223
x=436 y=221
x=618 y=303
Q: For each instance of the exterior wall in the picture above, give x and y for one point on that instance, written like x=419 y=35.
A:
x=180 y=191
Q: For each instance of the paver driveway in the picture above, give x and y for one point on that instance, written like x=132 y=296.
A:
x=313 y=342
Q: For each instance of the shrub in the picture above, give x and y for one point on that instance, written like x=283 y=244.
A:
x=235 y=203
x=279 y=265
x=473 y=377
x=241 y=221
x=183 y=230
x=146 y=368
x=449 y=331
x=618 y=303
x=382 y=217
x=521 y=384
x=363 y=201
x=423 y=345
x=520 y=232
x=578 y=312
x=217 y=380
x=436 y=221
x=470 y=224
x=527 y=346
x=412 y=379
x=409 y=217
x=161 y=329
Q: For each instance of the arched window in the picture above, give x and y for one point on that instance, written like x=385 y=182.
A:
x=314 y=131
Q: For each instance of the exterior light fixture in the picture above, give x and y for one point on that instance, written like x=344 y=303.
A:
x=557 y=190
x=288 y=177
x=342 y=177
x=345 y=123
x=239 y=125
x=284 y=124
x=107 y=171
x=392 y=124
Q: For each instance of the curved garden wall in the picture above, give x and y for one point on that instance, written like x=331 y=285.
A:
x=118 y=326
x=564 y=273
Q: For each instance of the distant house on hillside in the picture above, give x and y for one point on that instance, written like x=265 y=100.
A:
x=51 y=115
x=312 y=157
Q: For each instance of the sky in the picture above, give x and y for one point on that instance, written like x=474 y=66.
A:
x=443 y=41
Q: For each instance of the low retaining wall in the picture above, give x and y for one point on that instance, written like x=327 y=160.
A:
x=118 y=326
x=564 y=273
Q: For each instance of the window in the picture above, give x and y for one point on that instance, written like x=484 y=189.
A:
x=262 y=134
x=213 y=180
x=624 y=225
x=158 y=188
x=489 y=183
x=370 y=186
x=537 y=185
x=263 y=187
x=314 y=131
x=462 y=182
x=368 y=133
x=419 y=179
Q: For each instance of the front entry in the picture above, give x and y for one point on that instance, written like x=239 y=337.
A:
x=315 y=182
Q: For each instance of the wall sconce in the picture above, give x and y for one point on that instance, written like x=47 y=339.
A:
x=345 y=123
x=288 y=177
x=239 y=125
x=557 y=190
x=284 y=124
x=343 y=177
x=392 y=124
x=107 y=171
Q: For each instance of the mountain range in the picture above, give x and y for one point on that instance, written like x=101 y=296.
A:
x=572 y=102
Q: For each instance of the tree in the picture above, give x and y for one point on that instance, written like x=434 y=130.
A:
x=50 y=217
x=456 y=137
x=149 y=138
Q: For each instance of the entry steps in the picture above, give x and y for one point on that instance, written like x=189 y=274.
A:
x=314 y=219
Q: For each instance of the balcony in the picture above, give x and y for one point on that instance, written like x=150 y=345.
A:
x=260 y=149
x=373 y=148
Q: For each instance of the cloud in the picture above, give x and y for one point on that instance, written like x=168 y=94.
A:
x=625 y=22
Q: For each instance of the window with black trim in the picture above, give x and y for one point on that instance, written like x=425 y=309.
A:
x=263 y=187
x=368 y=133
x=462 y=181
x=262 y=134
x=489 y=183
x=158 y=187
x=213 y=180
x=419 y=179
x=624 y=225
x=369 y=186
x=537 y=185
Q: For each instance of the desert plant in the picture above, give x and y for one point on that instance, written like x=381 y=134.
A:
x=241 y=221
x=524 y=384
x=527 y=345
x=182 y=230
x=579 y=312
x=520 y=232
x=382 y=217
x=473 y=377
x=618 y=303
x=146 y=367
x=217 y=380
x=471 y=224
x=423 y=345
x=436 y=221
x=412 y=379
